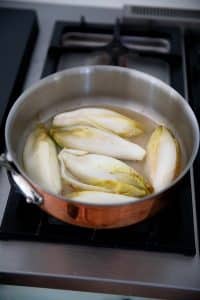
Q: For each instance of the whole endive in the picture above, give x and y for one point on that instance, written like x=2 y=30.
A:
x=93 y=197
x=98 y=172
x=95 y=140
x=40 y=160
x=100 y=118
x=163 y=158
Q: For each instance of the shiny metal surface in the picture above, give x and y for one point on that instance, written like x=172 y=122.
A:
x=31 y=195
x=93 y=86
x=23 y=185
x=85 y=86
x=101 y=86
x=101 y=216
x=113 y=271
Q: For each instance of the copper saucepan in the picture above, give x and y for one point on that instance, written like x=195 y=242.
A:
x=96 y=86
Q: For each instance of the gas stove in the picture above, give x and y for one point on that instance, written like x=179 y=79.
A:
x=155 y=50
x=163 y=48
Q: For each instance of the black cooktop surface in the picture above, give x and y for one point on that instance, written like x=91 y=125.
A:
x=18 y=31
x=169 y=231
x=156 y=50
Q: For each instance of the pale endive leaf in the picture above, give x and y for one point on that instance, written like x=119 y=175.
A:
x=104 y=171
x=101 y=118
x=92 y=197
x=74 y=182
x=162 y=158
x=97 y=141
x=40 y=160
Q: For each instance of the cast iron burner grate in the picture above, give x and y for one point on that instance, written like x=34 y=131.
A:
x=153 y=49
x=73 y=44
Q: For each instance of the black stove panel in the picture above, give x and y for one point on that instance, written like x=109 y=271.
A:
x=18 y=31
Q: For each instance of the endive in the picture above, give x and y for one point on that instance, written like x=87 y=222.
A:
x=92 y=197
x=101 y=118
x=95 y=140
x=74 y=182
x=40 y=160
x=101 y=171
x=162 y=160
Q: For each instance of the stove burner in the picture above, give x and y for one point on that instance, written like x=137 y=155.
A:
x=91 y=40
x=85 y=40
x=154 y=50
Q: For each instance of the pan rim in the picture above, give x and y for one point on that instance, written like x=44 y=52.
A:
x=87 y=70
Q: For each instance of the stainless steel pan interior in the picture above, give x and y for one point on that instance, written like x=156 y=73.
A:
x=101 y=86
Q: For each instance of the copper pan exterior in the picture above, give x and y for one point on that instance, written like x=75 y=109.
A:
x=100 y=217
x=101 y=86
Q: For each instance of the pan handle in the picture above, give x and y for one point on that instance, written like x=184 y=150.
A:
x=25 y=188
